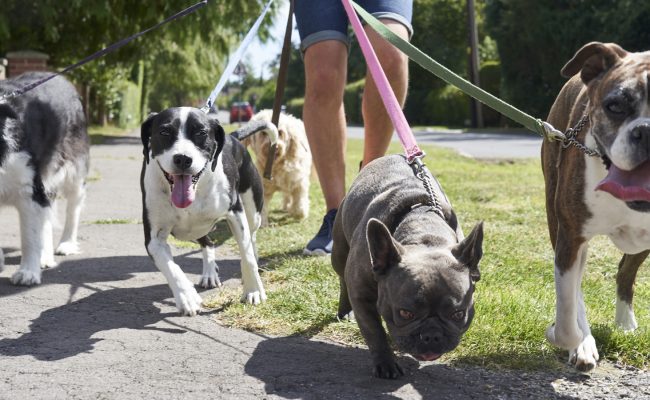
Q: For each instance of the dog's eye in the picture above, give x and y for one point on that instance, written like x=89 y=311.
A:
x=407 y=315
x=458 y=315
x=202 y=132
x=165 y=131
x=615 y=108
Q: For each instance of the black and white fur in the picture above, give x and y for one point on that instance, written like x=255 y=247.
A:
x=186 y=141
x=44 y=153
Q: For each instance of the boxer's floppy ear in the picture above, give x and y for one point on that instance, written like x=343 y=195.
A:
x=145 y=135
x=219 y=137
x=593 y=59
x=470 y=250
x=384 y=250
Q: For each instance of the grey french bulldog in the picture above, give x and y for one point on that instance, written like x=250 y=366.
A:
x=398 y=259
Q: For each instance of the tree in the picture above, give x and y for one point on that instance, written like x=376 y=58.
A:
x=536 y=37
x=68 y=33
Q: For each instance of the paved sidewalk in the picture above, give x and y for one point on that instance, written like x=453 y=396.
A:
x=103 y=326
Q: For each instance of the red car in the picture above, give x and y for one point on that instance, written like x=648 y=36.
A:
x=241 y=112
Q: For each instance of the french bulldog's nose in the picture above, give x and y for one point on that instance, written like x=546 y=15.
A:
x=431 y=337
x=182 y=161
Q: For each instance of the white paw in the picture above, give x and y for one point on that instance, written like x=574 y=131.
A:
x=68 y=248
x=254 y=297
x=26 y=277
x=210 y=277
x=48 y=262
x=188 y=301
x=625 y=318
x=585 y=356
x=563 y=338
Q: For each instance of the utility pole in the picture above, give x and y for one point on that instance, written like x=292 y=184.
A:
x=475 y=106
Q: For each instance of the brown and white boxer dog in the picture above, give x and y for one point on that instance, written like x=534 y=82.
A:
x=609 y=195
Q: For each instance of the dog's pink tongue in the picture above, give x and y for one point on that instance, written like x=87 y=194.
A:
x=628 y=185
x=428 y=356
x=182 y=191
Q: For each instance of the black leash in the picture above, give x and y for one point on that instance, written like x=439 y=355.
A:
x=279 y=88
x=104 y=51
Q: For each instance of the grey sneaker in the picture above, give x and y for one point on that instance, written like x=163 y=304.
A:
x=321 y=244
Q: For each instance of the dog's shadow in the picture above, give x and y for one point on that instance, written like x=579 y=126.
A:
x=296 y=367
x=72 y=328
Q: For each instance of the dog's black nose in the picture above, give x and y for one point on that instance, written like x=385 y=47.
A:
x=431 y=337
x=641 y=135
x=182 y=161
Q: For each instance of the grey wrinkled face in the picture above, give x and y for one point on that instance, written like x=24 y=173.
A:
x=425 y=291
x=427 y=302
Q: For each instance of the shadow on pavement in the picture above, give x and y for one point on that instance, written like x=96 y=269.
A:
x=70 y=329
x=295 y=367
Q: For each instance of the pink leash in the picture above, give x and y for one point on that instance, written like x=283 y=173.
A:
x=385 y=91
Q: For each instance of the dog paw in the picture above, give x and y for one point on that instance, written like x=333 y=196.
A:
x=210 y=277
x=68 y=248
x=254 y=297
x=625 y=318
x=48 y=262
x=585 y=356
x=189 y=301
x=349 y=317
x=563 y=339
x=26 y=277
x=387 y=369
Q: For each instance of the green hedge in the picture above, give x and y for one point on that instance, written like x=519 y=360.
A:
x=490 y=76
x=352 y=101
x=129 y=105
x=448 y=106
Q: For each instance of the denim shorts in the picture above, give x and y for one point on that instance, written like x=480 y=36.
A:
x=320 y=20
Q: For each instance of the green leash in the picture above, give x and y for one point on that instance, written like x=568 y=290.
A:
x=536 y=125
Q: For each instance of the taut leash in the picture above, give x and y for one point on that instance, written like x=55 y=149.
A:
x=235 y=59
x=413 y=153
x=536 y=125
x=111 y=48
x=280 y=85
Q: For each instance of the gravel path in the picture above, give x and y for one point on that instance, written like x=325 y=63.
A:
x=103 y=326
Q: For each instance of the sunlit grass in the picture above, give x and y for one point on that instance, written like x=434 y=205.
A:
x=515 y=298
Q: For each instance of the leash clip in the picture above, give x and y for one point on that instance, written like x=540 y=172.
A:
x=553 y=134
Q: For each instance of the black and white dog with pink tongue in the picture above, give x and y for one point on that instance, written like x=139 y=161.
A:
x=193 y=175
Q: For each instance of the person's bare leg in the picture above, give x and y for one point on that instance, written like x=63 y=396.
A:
x=325 y=75
x=378 y=127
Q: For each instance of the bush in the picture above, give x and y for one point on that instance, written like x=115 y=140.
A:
x=294 y=107
x=128 y=105
x=490 y=77
x=447 y=106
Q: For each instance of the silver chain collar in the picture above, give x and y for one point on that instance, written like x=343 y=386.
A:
x=570 y=138
x=422 y=173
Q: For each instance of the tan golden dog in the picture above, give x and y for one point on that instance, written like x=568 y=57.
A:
x=291 y=168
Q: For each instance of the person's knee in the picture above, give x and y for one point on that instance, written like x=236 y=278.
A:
x=325 y=85
x=393 y=61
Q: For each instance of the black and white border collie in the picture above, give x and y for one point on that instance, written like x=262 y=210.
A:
x=192 y=176
x=44 y=153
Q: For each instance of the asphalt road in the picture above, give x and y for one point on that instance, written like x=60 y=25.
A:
x=103 y=326
x=482 y=145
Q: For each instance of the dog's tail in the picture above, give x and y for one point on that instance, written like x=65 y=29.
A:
x=255 y=127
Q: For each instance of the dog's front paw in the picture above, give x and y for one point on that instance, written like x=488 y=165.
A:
x=387 y=368
x=188 y=301
x=254 y=297
x=585 y=356
x=210 y=277
x=625 y=318
x=68 y=248
x=563 y=339
x=26 y=277
x=48 y=261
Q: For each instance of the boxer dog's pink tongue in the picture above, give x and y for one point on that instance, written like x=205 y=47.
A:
x=428 y=356
x=182 y=191
x=628 y=185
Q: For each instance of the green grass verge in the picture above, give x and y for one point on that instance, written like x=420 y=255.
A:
x=98 y=133
x=515 y=298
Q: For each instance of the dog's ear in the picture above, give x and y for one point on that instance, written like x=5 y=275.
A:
x=593 y=59
x=145 y=135
x=470 y=250
x=6 y=111
x=384 y=250
x=219 y=137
